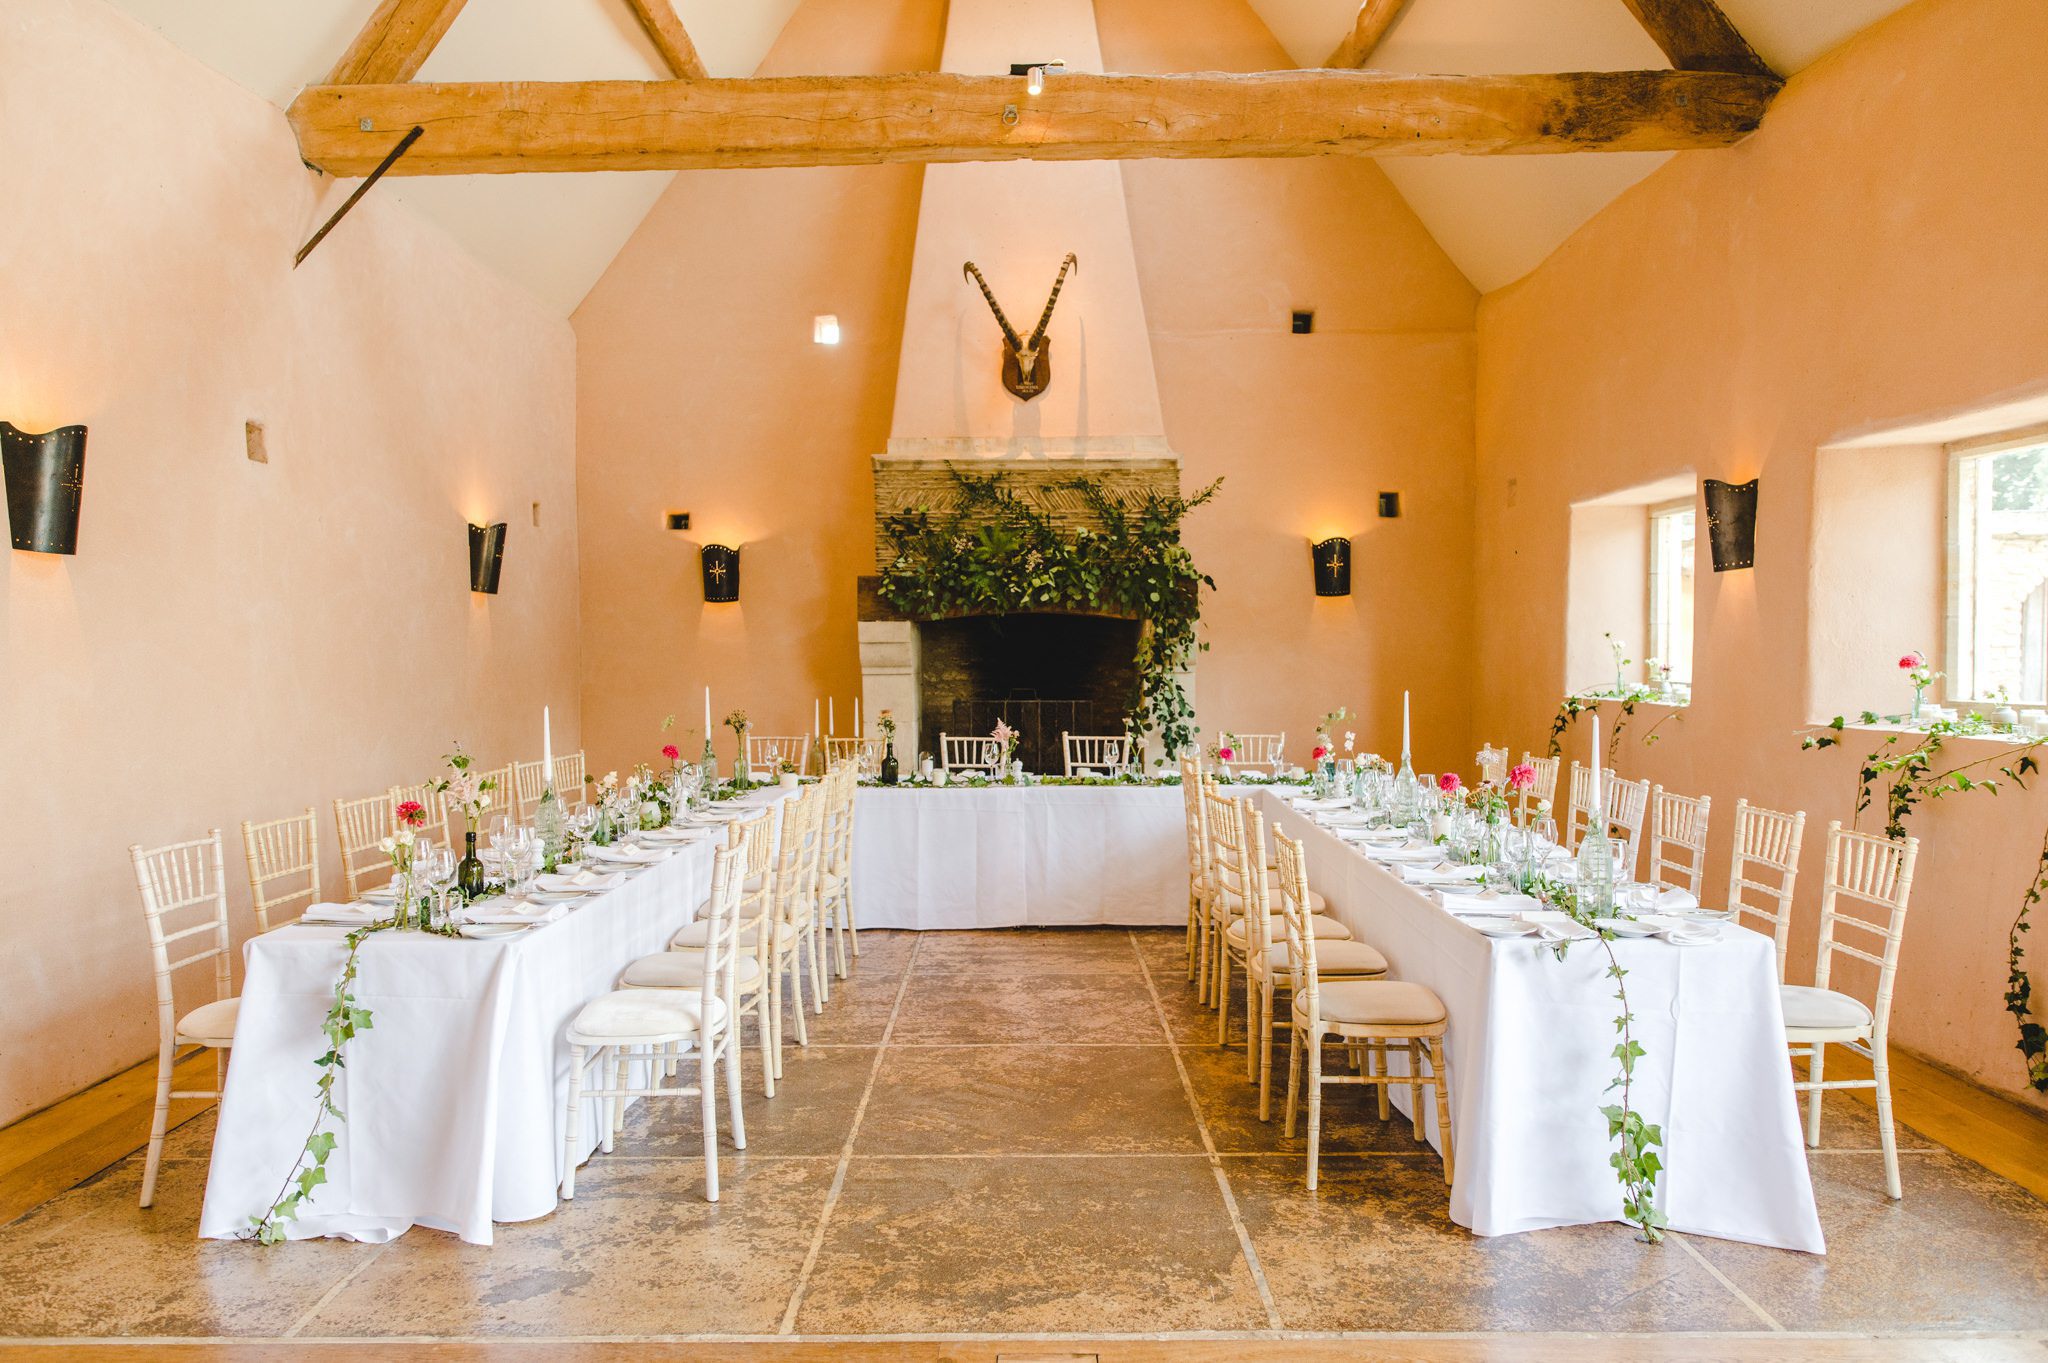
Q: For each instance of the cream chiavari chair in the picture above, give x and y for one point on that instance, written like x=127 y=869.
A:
x=682 y=965
x=569 y=773
x=983 y=755
x=835 y=872
x=1544 y=790
x=643 y=1027
x=1364 y=1015
x=1873 y=875
x=766 y=753
x=1192 y=782
x=1256 y=750
x=529 y=780
x=1241 y=904
x=360 y=825
x=1766 y=841
x=504 y=799
x=864 y=753
x=1493 y=766
x=1628 y=805
x=185 y=901
x=1269 y=963
x=1095 y=755
x=1678 y=840
x=284 y=866
x=792 y=912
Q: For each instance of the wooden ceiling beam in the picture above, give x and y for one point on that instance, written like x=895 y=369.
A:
x=1696 y=36
x=396 y=42
x=670 y=38
x=1375 y=17
x=936 y=116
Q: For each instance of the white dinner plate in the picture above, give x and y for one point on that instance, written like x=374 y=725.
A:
x=1464 y=887
x=555 y=896
x=1627 y=927
x=1502 y=926
x=484 y=932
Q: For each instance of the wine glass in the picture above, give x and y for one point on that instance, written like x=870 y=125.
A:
x=438 y=867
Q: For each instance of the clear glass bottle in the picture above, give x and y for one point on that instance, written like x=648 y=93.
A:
x=709 y=762
x=552 y=828
x=1596 y=872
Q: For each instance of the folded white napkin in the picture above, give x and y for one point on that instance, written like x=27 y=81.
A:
x=1554 y=925
x=348 y=915
x=1423 y=854
x=1522 y=904
x=1691 y=934
x=1439 y=875
x=628 y=856
x=519 y=911
x=582 y=880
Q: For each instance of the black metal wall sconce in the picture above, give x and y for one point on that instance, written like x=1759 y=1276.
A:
x=1731 y=523
x=486 y=556
x=1332 y=558
x=721 y=573
x=45 y=483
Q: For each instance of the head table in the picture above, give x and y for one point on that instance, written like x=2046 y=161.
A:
x=455 y=1096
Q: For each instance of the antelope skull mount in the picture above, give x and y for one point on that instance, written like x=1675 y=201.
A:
x=1027 y=362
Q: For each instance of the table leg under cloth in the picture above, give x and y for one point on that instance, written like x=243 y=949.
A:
x=1531 y=1040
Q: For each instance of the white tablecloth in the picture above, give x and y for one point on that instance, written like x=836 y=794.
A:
x=1016 y=856
x=456 y=1095
x=1531 y=1039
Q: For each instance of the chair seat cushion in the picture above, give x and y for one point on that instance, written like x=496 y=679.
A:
x=633 y=1014
x=1376 y=1003
x=1808 y=1008
x=685 y=969
x=211 y=1023
x=1334 y=957
x=1325 y=930
x=693 y=935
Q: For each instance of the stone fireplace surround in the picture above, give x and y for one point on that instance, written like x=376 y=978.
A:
x=917 y=473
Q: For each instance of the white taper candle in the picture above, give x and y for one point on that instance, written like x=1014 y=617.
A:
x=547 y=751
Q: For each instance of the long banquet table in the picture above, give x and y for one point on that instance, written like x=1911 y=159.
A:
x=455 y=1095
x=1531 y=1038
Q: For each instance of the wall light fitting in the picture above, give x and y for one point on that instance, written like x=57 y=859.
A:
x=721 y=573
x=1332 y=559
x=45 y=477
x=1731 y=523
x=486 y=556
x=825 y=329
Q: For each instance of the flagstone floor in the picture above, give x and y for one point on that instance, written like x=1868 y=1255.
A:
x=1028 y=1132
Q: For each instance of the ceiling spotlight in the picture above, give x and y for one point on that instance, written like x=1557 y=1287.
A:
x=1034 y=81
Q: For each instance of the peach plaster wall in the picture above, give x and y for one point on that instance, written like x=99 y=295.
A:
x=237 y=640
x=1874 y=254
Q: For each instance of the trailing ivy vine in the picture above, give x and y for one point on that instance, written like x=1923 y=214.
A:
x=1635 y=1159
x=996 y=553
x=1906 y=776
x=1630 y=697
x=2019 y=989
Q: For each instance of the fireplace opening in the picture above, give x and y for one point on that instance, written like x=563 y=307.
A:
x=1043 y=673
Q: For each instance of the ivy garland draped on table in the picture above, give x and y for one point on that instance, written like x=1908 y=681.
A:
x=995 y=553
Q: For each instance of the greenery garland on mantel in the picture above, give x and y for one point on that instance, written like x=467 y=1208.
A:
x=995 y=553
x=1908 y=776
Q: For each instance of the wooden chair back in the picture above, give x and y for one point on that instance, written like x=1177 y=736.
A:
x=767 y=752
x=1493 y=766
x=1257 y=750
x=1290 y=876
x=1767 y=845
x=1096 y=754
x=1867 y=883
x=360 y=826
x=864 y=753
x=529 y=780
x=1543 y=789
x=984 y=755
x=183 y=886
x=284 y=867
x=1678 y=840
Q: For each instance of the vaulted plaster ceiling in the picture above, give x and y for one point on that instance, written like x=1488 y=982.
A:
x=1497 y=217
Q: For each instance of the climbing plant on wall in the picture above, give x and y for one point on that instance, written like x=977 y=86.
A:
x=996 y=553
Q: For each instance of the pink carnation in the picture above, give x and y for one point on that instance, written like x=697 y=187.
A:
x=1911 y=661
x=671 y=751
x=1448 y=782
x=1320 y=753
x=411 y=814
x=1227 y=754
x=1521 y=776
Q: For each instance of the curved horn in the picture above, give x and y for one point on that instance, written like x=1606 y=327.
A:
x=1045 y=320
x=1009 y=332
